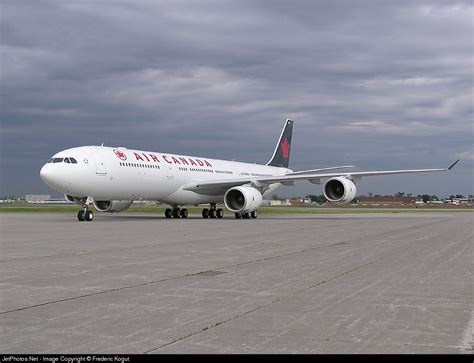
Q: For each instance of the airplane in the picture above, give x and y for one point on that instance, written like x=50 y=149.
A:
x=111 y=178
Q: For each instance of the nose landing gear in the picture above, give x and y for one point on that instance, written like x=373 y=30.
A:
x=85 y=214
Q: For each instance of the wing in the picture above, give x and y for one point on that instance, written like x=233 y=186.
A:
x=312 y=171
x=221 y=186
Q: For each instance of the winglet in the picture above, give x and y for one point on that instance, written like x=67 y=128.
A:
x=452 y=166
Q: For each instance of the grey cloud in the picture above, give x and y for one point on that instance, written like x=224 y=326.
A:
x=377 y=84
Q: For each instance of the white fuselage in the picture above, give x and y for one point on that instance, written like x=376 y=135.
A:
x=106 y=173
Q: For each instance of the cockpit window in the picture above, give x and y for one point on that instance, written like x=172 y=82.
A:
x=60 y=160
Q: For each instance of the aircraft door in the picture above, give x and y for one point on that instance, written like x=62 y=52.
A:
x=169 y=172
x=99 y=165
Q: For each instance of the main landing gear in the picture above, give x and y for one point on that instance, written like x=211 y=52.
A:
x=85 y=214
x=176 y=212
x=213 y=212
x=253 y=215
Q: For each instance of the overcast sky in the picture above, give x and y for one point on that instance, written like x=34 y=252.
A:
x=376 y=84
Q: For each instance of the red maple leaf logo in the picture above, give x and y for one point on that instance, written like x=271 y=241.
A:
x=120 y=154
x=285 y=148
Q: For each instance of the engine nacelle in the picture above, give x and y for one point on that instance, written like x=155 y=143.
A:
x=75 y=200
x=242 y=199
x=339 y=190
x=112 y=206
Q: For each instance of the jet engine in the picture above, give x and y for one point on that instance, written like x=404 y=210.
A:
x=242 y=199
x=75 y=200
x=112 y=206
x=339 y=190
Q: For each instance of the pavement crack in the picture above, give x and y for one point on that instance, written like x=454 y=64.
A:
x=206 y=328
x=268 y=258
x=94 y=294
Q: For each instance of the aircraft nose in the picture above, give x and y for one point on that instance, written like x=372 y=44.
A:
x=51 y=176
x=45 y=173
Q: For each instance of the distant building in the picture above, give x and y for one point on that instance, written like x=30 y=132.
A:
x=37 y=198
x=462 y=201
x=45 y=199
x=279 y=203
x=300 y=202
x=387 y=200
x=276 y=202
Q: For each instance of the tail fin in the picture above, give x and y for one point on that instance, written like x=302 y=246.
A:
x=281 y=155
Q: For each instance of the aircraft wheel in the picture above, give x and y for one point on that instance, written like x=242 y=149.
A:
x=246 y=215
x=220 y=213
x=212 y=213
x=89 y=216
x=176 y=213
x=184 y=213
x=168 y=213
x=81 y=216
x=254 y=214
x=205 y=213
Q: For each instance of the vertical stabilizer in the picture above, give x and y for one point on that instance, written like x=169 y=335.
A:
x=281 y=155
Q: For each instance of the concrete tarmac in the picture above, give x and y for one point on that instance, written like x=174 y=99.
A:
x=367 y=283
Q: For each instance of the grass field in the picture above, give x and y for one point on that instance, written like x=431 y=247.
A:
x=42 y=208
